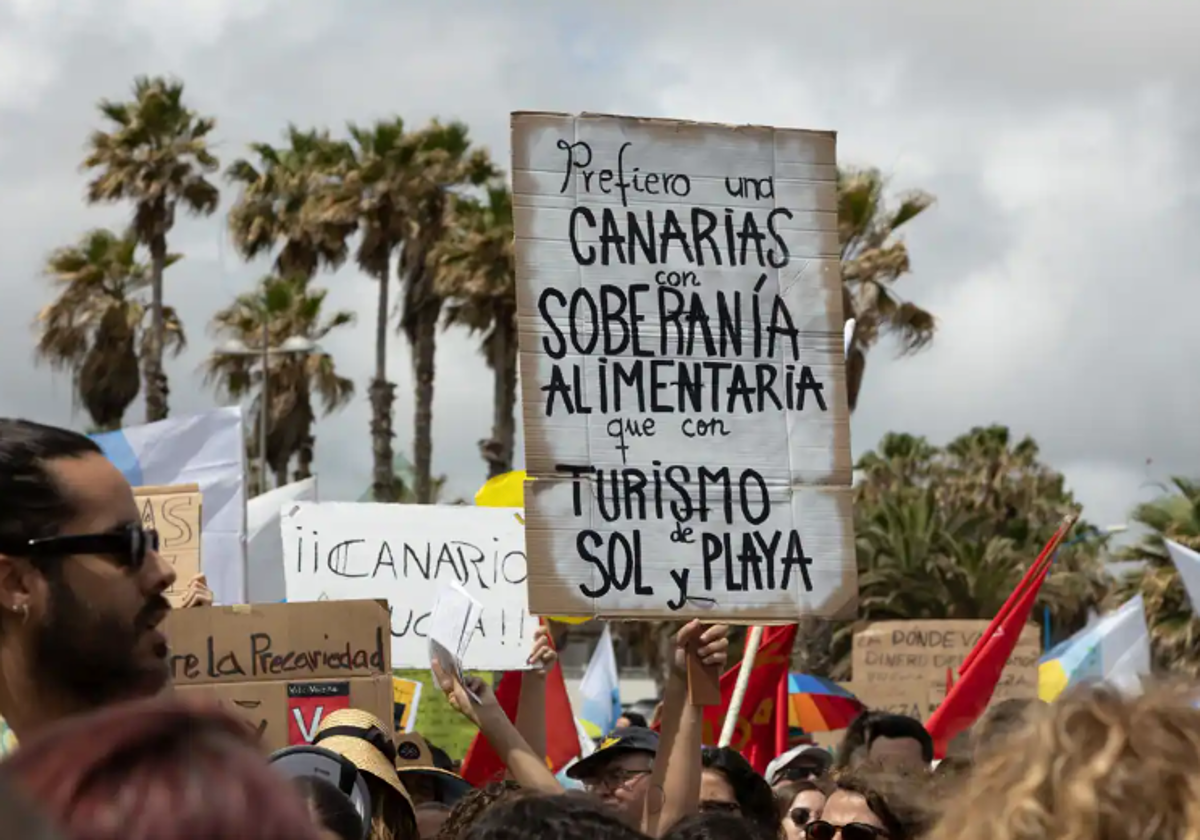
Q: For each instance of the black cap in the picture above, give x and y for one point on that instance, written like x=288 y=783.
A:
x=625 y=740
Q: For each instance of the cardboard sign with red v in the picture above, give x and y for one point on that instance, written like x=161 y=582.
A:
x=309 y=703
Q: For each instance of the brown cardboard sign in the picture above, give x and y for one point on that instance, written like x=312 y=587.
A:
x=922 y=651
x=285 y=642
x=687 y=433
x=912 y=699
x=286 y=713
x=175 y=513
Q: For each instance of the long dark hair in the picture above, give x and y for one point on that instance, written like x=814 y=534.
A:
x=754 y=796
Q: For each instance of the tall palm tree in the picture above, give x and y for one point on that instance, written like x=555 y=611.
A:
x=445 y=160
x=288 y=307
x=156 y=155
x=1174 y=627
x=283 y=206
x=98 y=320
x=873 y=259
x=476 y=276
x=396 y=186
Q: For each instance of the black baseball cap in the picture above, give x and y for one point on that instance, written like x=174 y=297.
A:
x=627 y=739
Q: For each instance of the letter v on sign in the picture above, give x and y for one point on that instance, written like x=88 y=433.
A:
x=308 y=704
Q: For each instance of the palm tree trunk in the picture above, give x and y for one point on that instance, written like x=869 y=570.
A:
x=152 y=365
x=504 y=398
x=304 y=458
x=382 y=395
x=424 y=350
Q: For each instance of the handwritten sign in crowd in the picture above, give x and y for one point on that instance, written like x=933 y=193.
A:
x=905 y=663
x=681 y=329
x=174 y=511
x=336 y=551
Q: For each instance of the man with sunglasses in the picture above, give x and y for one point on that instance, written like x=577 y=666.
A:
x=804 y=763
x=81 y=581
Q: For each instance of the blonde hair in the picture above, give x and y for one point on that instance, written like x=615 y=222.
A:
x=1094 y=765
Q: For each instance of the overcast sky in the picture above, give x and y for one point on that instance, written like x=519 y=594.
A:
x=1058 y=137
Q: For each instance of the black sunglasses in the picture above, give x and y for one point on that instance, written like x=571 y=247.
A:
x=803 y=773
x=821 y=830
x=128 y=546
x=800 y=816
x=714 y=806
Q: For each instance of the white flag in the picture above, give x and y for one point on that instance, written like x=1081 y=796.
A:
x=601 y=688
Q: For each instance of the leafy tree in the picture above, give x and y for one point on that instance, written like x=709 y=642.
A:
x=476 y=276
x=874 y=257
x=97 y=322
x=155 y=154
x=946 y=533
x=289 y=307
x=1174 y=627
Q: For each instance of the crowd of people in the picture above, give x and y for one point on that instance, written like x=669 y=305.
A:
x=104 y=751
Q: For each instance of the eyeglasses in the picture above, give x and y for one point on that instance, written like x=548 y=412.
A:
x=800 y=816
x=127 y=546
x=821 y=830
x=715 y=806
x=614 y=779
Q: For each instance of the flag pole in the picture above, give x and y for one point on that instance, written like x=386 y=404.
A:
x=739 y=690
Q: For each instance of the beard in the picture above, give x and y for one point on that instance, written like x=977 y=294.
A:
x=92 y=657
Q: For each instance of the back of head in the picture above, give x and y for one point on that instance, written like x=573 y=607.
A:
x=475 y=804
x=1003 y=721
x=157 y=770
x=899 y=727
x=32 y=504
x=854 y=742
x=718 y=826
x=566 y=817
x=1094 y=765
x=330 y=808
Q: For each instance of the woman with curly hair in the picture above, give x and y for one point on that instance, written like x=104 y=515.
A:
x=1093 y=765
x=472 y=806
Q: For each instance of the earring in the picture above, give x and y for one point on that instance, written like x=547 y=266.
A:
x=23 y=611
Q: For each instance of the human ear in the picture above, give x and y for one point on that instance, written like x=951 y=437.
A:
x=16 y=589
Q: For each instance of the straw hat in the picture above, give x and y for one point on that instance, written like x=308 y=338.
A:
x=359 y=737
x=413 y=758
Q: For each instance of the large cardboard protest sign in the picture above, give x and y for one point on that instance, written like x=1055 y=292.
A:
x=335 y=551
x=284 y=667
x=174 y=512
x=903 y=653
x=680 y=324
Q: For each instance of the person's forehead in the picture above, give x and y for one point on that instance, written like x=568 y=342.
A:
x=630 y=759
x=844 y=807
x=895 y=744
x=99 y=495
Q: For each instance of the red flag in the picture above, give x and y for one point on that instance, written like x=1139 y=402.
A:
x=970 y=695
x=758 y=729
x=482 y=765
x=1047 y=552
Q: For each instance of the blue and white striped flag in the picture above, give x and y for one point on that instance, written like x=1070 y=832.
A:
x=205 y=449
x=600 y=687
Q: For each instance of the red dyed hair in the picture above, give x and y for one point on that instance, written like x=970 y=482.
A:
x=158 y=769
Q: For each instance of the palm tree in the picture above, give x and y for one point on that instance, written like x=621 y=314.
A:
x=445 y=160
x=476 y=276
x=395 y=185
x=97 y=321
x=873 y=259
x=288 y=307
x=156 y=155
x=284 y=204
x=1174 y=627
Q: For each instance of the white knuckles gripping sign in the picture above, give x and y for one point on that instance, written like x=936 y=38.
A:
x=681 y=327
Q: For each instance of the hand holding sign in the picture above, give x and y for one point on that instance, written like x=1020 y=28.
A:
x=700 y=655
x=471 y=697
x=452 y=625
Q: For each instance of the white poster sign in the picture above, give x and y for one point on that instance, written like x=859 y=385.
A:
x=684 y=391
x=343 y=551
